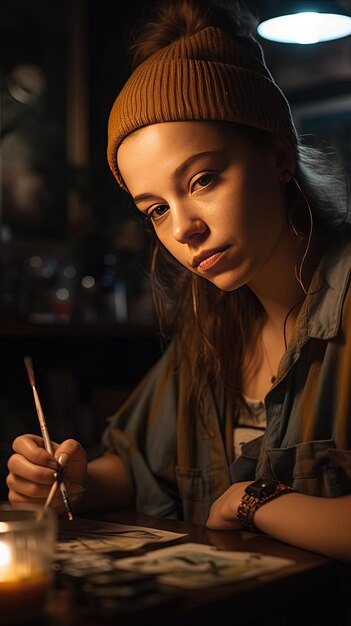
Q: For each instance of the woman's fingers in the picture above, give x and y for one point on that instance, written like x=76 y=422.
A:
x=28 y=488
x=69 y=454
x=20 y=467
x=21 y=489
x=36 y=491
x=32 y=448
x=33 y=470
x=28 y=481
x=72 y=456
x=18 y=498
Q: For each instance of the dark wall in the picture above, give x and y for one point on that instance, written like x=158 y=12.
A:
x=81 y=379
x=110 y=31
x=84 y=369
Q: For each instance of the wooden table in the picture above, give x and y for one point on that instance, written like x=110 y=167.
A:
x=314 y=590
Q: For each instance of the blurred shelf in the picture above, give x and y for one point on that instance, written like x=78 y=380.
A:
x=17 y=328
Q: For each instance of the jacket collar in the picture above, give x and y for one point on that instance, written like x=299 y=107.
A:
x=321 y=315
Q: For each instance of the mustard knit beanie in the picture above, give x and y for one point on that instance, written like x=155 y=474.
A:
x=207 y=76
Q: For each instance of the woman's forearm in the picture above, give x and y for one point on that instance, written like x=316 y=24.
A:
x=107 y=486
x=317 y=524
x=313 y=523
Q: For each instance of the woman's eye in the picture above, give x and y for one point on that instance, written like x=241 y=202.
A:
x=203 y=181
x=158 y=211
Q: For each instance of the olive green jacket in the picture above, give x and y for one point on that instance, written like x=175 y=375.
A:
x=180 y=465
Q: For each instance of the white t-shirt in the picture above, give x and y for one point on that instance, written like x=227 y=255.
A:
x=251 y=424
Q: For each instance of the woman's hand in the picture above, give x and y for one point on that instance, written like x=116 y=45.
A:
x=32 y=470
x=222 y=514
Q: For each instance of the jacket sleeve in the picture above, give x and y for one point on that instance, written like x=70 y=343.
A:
x=143 y=433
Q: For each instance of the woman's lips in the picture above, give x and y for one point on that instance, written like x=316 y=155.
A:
x=208 y=259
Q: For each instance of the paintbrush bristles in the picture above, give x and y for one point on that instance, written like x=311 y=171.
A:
x=29 y=365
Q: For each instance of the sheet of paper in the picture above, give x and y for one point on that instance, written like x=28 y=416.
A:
x=81 y=534
x=194 y=565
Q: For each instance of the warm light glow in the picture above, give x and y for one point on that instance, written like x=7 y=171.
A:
x=306 y=27
x=5 y=554
x=5 y=562
x=88 y=282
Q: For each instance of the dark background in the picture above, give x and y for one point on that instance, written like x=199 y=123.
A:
x=61 y=208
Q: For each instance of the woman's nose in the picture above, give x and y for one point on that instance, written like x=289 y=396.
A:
x=187 y=225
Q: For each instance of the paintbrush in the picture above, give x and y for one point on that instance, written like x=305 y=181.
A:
x=47 y=441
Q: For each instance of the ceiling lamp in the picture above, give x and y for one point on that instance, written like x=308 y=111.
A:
x=306 y=23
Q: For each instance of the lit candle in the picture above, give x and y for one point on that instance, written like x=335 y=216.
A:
x=23 y=588
x=27 y=542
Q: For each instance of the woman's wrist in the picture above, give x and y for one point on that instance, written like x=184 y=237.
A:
x=256 y=495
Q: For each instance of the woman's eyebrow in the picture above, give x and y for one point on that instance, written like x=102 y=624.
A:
x=143 y=196
x=180 y=170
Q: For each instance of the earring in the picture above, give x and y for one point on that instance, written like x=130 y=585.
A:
x=298 y=274
x=286 y=177
x=298 y=234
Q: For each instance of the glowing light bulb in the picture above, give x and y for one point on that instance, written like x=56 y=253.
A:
x=305 y=28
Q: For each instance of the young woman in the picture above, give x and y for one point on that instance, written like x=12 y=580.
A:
x=245 y=419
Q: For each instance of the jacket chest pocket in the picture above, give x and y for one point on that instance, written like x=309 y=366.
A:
x=313 y=467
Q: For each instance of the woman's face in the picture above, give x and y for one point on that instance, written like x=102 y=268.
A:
x=215 y=199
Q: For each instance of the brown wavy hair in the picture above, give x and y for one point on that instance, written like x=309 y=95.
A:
x=211 y=329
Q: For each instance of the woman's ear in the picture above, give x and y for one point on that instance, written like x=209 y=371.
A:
x=285 y=158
